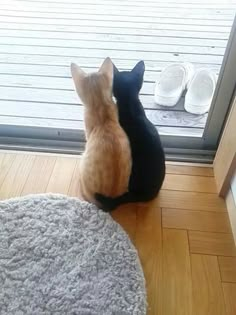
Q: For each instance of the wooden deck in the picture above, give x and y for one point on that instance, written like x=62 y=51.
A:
x=40 y=38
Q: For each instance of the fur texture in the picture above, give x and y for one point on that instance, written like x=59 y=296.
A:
x=148 y=168
x=106 y=163
x=61 y=256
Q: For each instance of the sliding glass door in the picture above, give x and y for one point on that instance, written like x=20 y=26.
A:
x=39 y=108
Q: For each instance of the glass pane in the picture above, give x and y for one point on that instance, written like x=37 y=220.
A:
x=39 y=39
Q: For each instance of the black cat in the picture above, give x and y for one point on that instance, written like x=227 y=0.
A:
x=148 y=169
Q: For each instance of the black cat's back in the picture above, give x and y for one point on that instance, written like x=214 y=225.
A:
x=148 y=170
x=148 y=159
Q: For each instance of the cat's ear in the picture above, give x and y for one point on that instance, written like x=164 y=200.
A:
x=139 y=69
x=107 y=68
x=77 y=73
x=115 y=70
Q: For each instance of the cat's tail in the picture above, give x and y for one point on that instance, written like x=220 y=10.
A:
x=110 y=203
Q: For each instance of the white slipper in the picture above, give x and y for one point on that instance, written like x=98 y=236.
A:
x=200 y=92
x=172 y=82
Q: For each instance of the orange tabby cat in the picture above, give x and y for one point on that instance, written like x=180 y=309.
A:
x=105 y=165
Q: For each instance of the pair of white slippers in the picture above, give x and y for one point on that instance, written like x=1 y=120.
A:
x=176 y=78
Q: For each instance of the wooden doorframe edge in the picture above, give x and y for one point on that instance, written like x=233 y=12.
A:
x=225 y=162
x=231 y=207
x=225 y=188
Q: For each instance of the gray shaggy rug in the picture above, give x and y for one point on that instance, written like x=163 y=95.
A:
x=59 y=255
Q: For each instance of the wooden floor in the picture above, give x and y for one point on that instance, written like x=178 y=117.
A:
x=40 y=38
x=183 y=237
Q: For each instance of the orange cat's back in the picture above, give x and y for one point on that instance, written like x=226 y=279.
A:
x=105 y=166
x=106 y=163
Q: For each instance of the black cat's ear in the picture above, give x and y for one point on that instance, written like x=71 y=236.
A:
x=115 y=70
x=139 y=69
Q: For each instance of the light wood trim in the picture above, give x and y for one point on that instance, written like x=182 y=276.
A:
x=231 y=207
x=225 y=160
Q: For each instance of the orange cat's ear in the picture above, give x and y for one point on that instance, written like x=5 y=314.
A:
x=77 y=73
x=107 y=68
